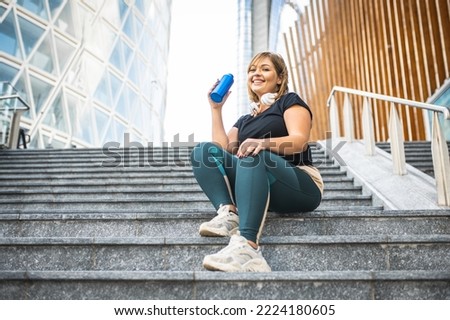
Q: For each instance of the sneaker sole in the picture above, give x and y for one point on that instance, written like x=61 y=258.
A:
x=210 y=232
x=251 y=266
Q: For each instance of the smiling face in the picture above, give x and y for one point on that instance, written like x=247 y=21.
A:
x=267 y=72
x=262 y=77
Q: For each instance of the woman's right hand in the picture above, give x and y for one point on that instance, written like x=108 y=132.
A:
x=217 y=105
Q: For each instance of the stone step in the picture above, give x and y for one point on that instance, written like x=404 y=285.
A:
x=157 y=180
x=191 y=202
x=132 y=210
x=97 y=167
x=114 y=224
x=302 y=253
x=22 y=193
x=38 y=166
x=82 y=155
x=58 y=187
x=200 y=285
x=127 y=174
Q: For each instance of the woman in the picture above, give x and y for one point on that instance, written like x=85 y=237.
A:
x=263 y=163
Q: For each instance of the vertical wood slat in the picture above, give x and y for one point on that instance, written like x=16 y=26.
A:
x=395 y=47
x=438 y=56
x=443 y=8
x=384 y=87
x=375 y=73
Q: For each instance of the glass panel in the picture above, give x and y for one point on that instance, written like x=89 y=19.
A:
x=110 y=135
x=65 y=20
x=7 y=73
x=128 y=28
x=135 y=109
x=120 y=130
x=101 y=41
x=64 y=51
x=133 y=73
x=30 y=34
x=108 y=36
x=146 y=44
x=443 y=100
x=34 y=142
x=101 y=120
x=127 y=55
x=43 y=56
x=146 y=119
x=116 y=56
x=102 y=93
x=19 y=85
x=92 y=73
x=55 y=116
x=123 y=103
x=54 y=6
x=140 y=6
x=52 y=142
x=115 y=86
x=40 y=91
x=123 y=9
x=139 y=27
x=35 y=6
x=8 y=37
x=111 y=13
x=80 y=117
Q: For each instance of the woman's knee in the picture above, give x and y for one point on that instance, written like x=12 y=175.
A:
x=264 y=158
x=201 y=154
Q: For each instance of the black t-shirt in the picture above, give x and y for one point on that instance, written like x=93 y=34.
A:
x=270 y=123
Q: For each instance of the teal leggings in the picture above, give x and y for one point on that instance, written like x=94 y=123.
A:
x=254 y=184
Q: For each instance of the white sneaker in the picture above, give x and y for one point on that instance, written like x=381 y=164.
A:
x=238 y=256
x=225 y=224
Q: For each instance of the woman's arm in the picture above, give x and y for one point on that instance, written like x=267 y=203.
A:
x=298 y=124
x=219 y=136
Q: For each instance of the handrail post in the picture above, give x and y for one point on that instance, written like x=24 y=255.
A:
x=397 y=142
x=348 y=119
x=334 y=118
x=11 y=108
x=441 y=162
x=367 y=120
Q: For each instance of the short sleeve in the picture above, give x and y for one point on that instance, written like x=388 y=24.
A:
x=291 y=99
x=239 y=122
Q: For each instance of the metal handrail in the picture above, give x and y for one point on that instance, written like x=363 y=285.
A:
x=24 y=105
x=10 y=114
x=439 y=148
x=411 y=103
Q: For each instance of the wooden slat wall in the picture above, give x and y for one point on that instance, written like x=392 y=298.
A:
x=395 y=47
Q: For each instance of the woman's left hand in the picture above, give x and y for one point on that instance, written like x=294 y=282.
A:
x=250 y=147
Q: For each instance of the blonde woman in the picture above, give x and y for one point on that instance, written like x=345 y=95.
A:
x=263 y=163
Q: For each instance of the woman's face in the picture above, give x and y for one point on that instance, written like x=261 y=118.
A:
x=262 y=77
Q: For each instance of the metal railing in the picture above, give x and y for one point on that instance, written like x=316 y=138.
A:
x=12 y=105
x=439 y=148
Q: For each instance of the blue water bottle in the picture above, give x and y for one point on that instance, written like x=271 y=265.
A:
x=222 y=88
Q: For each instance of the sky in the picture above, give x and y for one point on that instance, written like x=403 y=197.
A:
x=203 y=47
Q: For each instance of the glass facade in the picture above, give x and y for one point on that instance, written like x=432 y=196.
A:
x=441 y=98
x=91 y=70
x=245 y=52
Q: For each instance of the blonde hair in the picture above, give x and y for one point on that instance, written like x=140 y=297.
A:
x=280 y=69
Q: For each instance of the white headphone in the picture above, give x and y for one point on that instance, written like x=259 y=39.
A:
x=267 y=99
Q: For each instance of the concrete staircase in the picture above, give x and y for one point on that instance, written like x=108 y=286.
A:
x=82 y=224
x=417 y=154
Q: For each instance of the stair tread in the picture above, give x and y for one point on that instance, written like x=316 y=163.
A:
x=212 y=241
x=223 y=276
